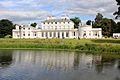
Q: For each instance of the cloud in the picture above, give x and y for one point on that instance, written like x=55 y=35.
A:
x=28 y=10
x=92 y=7
x=18 y=16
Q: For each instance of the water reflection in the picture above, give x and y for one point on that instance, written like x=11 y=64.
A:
x=5 y=58
x=35 y=64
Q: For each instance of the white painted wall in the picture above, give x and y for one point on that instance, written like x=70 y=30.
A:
x=49 y=30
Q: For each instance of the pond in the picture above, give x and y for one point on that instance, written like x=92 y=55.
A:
x=57 y=65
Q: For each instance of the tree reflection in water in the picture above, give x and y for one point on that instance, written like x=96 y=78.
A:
x=57 y=65
x=5 y=58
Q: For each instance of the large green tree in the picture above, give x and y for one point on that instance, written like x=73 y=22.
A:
x=76 y=21
x=117 y=13
x=6 y=27
x=108 y=25
x=118 y=28
x=98 y=20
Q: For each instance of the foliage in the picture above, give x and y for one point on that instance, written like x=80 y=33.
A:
x=89 y=22
x=98 y=20
x=108 y=26
x=8 y=36
x=117 y=13
x=34 y=24
x=76 y=21
x=6 y=27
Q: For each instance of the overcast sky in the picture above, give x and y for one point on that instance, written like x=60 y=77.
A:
x=26 y=11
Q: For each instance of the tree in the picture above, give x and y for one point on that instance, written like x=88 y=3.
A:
x=76 y=21
x=6 y=27
x=114 y=26
x=34 y=24
x=118 y=28
x=117 y=13
x=89 y=22
x=108 y=26
x=98 y=20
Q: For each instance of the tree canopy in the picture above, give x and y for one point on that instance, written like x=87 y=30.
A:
x=6 y=27
x=108 y=26
x=76 y=21
x=117 y=13
x=34 y=24
x=89 y=22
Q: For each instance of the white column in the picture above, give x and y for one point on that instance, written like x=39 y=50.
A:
x=70 y=34
x=52 y=34
x=92 y=34
x=60 y=34
x=56 y=35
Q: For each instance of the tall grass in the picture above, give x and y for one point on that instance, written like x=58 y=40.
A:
x=112 y=45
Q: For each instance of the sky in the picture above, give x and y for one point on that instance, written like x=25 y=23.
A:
x=28 y=11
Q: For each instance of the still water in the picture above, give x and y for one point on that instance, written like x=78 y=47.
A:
x=57 y=65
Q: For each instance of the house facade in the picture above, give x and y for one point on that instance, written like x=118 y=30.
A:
x=116 y=35
x=54 y=27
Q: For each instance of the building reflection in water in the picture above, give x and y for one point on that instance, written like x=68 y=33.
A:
x=57 y=60
x=60 y=60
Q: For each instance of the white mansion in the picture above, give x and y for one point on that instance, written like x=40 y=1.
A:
x=54 y=27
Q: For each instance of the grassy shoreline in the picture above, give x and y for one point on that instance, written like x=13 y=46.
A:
x=91 y=45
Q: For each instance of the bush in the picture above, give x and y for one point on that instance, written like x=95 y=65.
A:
x=8 y=36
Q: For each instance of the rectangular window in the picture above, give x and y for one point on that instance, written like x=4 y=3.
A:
x=62 y=34
x=23 y=34
x=50 y=34
x=67 y=34
x=28 y=34
x=42 y=34
x=74 y=33
x=46 y=34
x=54 y=34
x=35 y=34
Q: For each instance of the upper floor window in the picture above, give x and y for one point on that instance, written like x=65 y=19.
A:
x=28 y=28
x=55 y=22
x=23 y=28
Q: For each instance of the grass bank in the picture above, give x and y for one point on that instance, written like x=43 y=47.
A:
x=97 y=45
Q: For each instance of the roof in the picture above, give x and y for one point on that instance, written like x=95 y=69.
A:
x=57 y=20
